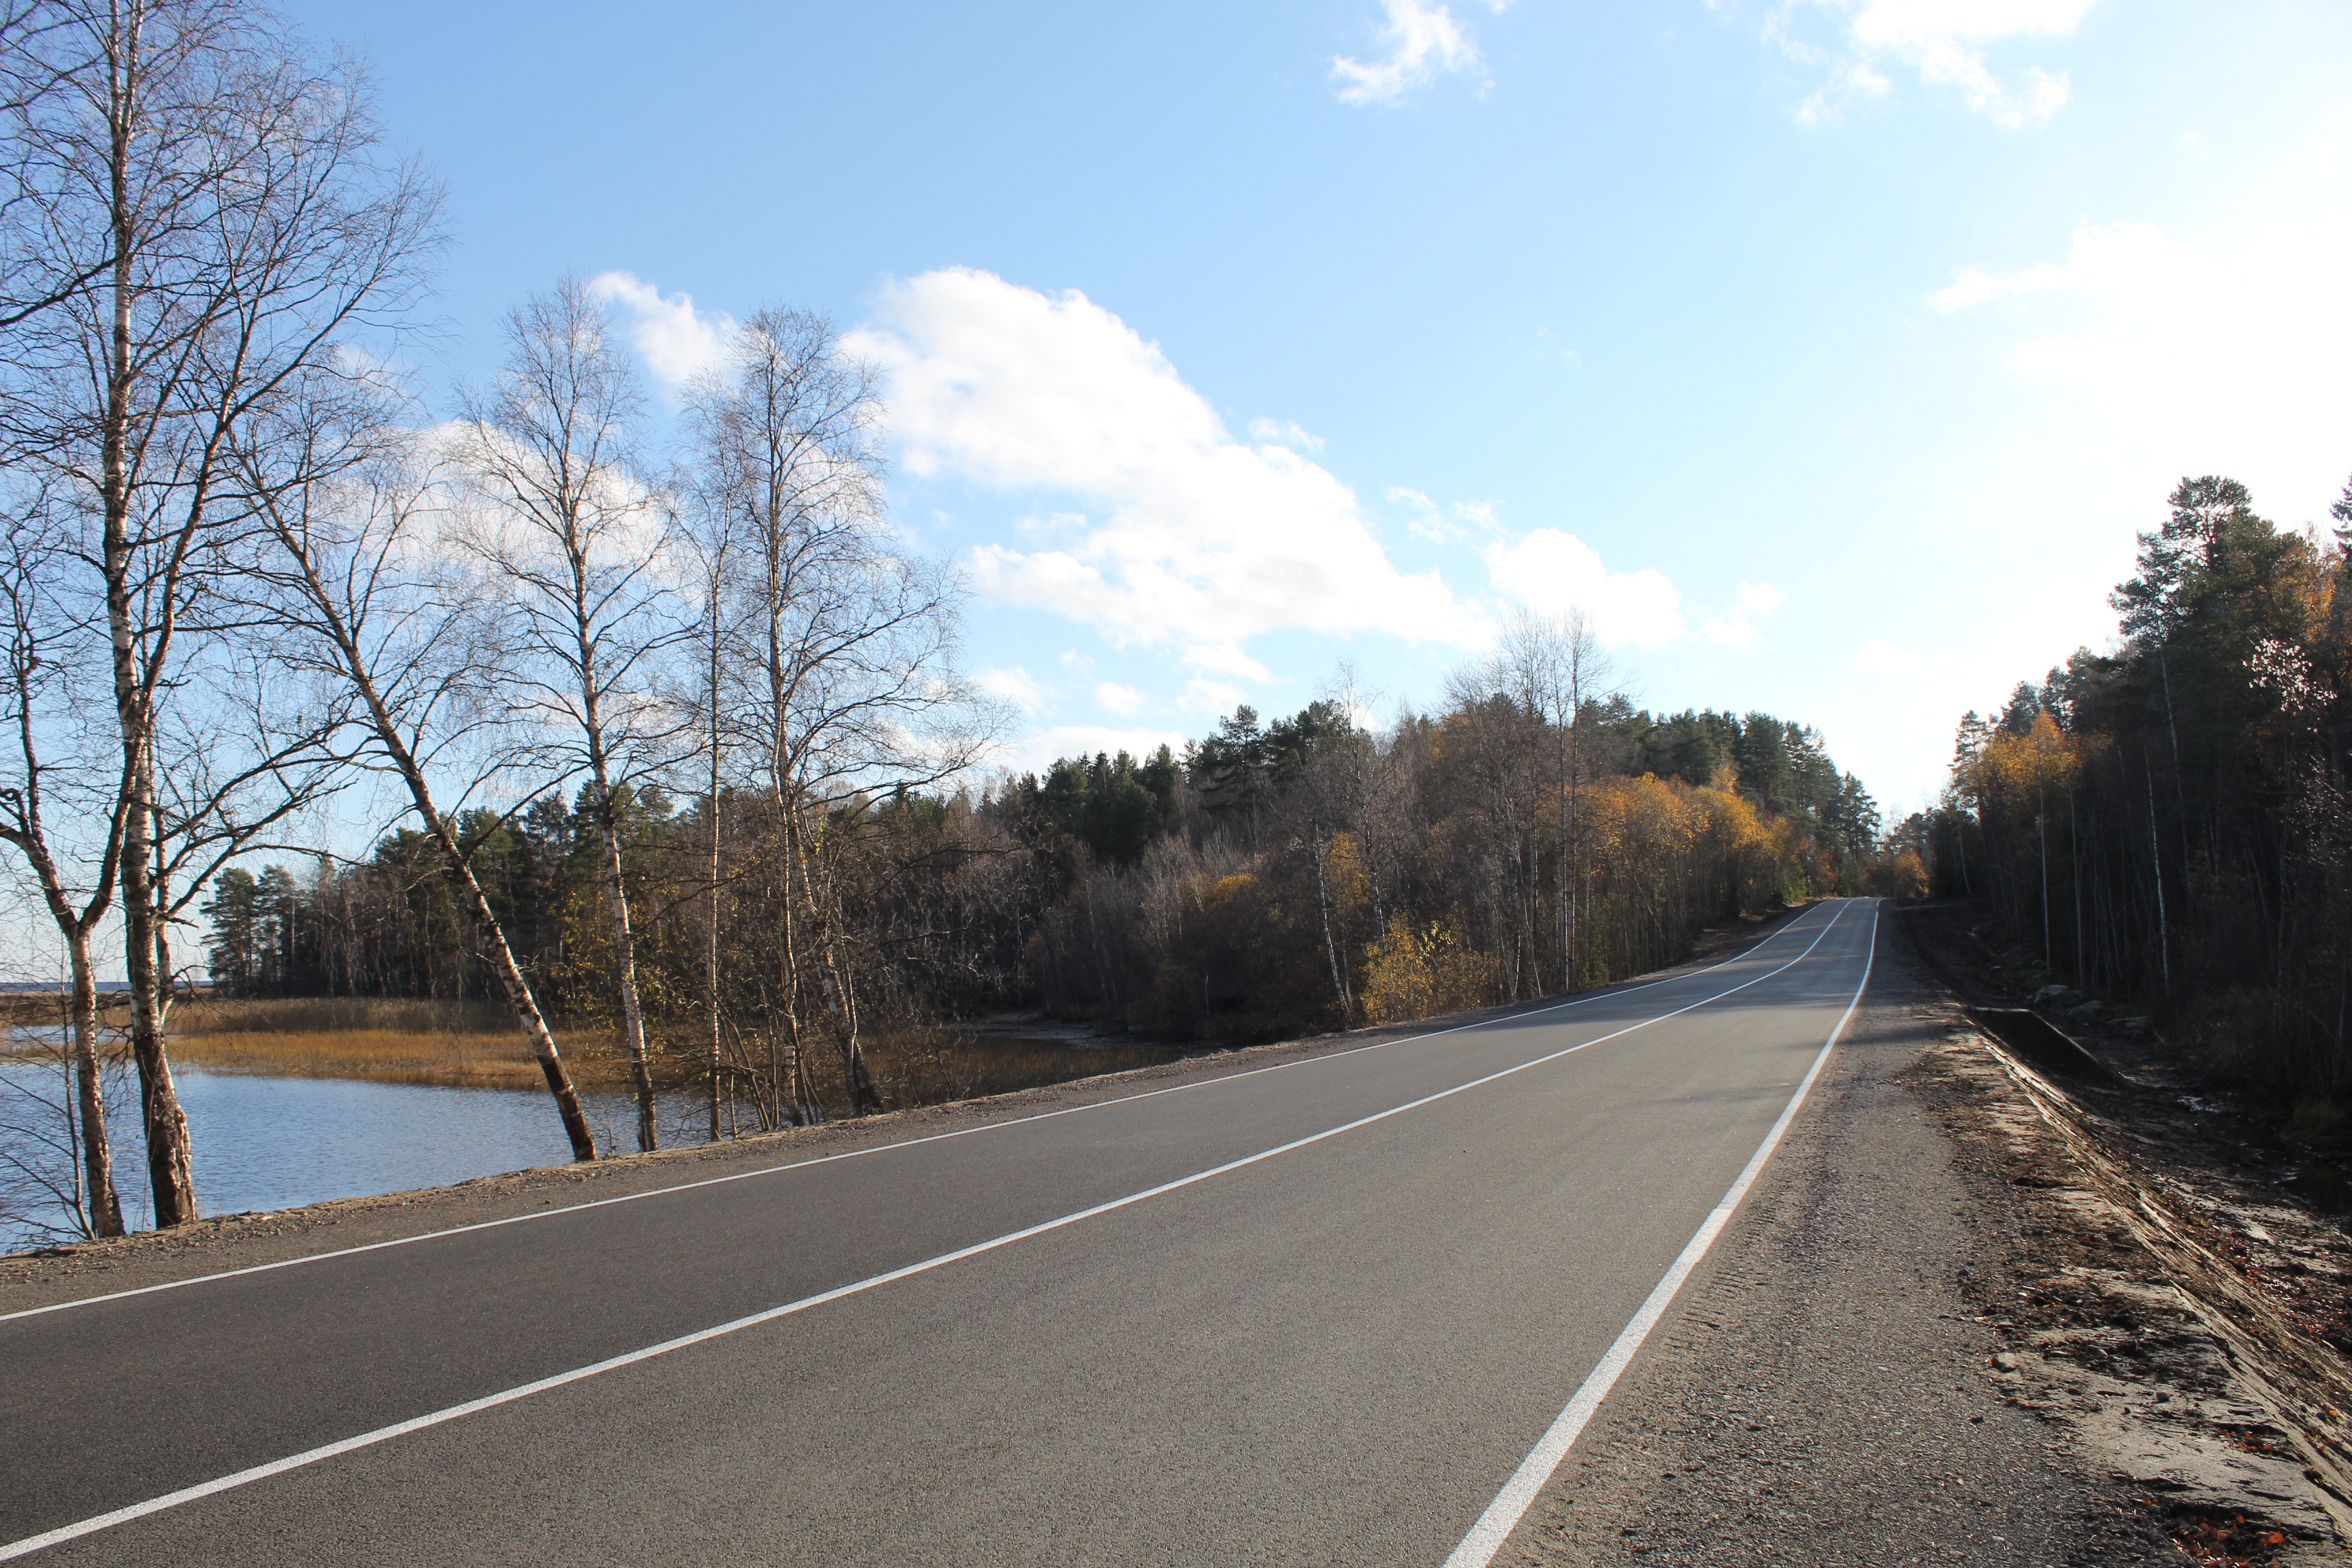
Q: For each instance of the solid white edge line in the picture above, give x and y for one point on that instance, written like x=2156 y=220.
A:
x=569 y=1209
x=91 y=1526
x=1494 y=1528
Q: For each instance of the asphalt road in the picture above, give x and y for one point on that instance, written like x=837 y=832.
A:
x=1315 y=1313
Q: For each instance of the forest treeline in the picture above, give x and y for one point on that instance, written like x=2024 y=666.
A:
x=2165 y=823
x=678 y=728
x=1275 y=878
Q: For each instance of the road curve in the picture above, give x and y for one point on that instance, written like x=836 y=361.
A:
x=1320 y=1313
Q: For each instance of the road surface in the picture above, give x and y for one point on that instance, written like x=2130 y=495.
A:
x=1348 y=1310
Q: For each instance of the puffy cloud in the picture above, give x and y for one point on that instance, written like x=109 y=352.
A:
x=1943 y=40
x=1418 y=43
x=1184 y=536
x=1015 y=686
x=677 y=342
x=1553 y=572
x=1113 y=698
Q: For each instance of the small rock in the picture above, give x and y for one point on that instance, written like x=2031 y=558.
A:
x=2005 y=1360
x=2132 y=1027
x=2057 y=996
x=2088 y=1012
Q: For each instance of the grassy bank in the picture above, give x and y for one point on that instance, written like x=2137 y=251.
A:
x=469 y=1044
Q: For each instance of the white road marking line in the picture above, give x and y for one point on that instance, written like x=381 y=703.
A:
x=887 y=1148
x=63 y=1534
x=1487 y=1537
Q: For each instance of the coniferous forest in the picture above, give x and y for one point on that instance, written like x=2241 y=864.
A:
x=2165 y=823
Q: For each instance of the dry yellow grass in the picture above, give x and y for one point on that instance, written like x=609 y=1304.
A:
x=465 y=1045
x=386 y=1056
x=476 y=1045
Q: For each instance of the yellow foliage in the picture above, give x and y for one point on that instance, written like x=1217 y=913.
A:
x=1225 y=889
x=1350 y=882
x=2016 y=772
x=1412 y=974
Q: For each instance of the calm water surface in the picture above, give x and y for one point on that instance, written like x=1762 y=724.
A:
x=278 y=1142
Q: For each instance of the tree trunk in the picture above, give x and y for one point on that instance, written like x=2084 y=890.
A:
x=1330 y=944
x=525 y=1005
x=170 y=1175
x=710 y=952
x=97 y=1158
x=624 y=950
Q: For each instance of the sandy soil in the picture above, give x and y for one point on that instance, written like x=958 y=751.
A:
x=2180 y=1294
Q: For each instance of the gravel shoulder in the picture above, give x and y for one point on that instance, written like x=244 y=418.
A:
x=1975 y=1314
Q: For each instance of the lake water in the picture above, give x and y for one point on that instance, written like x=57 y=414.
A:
x=278 y=1142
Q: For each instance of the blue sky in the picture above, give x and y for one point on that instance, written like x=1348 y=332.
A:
x=1828 y=351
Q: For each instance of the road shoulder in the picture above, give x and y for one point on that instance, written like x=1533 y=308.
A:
x=1932 y=1336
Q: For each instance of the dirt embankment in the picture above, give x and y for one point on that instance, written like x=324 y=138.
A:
x=2178 y=1293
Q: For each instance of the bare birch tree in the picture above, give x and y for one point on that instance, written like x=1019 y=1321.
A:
x=849 y=666
x=200 y=217
x=574 y=541
x=1553 y=665
x=710 y=549
x=354 y=566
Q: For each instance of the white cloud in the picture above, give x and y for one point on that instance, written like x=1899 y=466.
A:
x=2132 y=265
x=1225 y=660
x=1212 y=697
x=1478 y=514
x=2212 y=353
x=677 y=342
x=1879 y=656
x=1187 y=538
x=1113 y=698
x=1943 y=40
x=1282 y=433
x=1736 y=630
x=1424 y=519
x=1418 y=43
x=1015 y=686
x=1552 y=571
